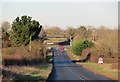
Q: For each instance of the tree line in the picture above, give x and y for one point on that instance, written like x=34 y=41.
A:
x=105 y=40
x=20 y=36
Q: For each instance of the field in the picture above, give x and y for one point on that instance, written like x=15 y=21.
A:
x=55 y=40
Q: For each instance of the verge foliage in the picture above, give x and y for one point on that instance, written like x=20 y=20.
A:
x=22 y=29
x=78 y=46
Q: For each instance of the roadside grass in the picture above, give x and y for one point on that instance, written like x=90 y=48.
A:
x=9 y=50
x=101 y=69
x=49 y=58
x=109 y=70
x=41 y=71
x=37 y=71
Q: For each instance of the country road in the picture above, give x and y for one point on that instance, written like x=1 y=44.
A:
x=65 y=69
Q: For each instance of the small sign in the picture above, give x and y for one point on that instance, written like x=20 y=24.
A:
x=100 y=60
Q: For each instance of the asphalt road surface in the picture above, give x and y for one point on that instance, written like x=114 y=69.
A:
x=65 y=69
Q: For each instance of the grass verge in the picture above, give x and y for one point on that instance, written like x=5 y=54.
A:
x=37 y=72
x=109 y=70
x=101 y=69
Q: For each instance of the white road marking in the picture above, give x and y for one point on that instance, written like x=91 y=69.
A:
x=75 y=74
x=58 y=53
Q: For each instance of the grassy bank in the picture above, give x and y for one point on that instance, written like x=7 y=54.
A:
x=36 y=72
x=33 y=70
x=109 y=70
x=102 y=69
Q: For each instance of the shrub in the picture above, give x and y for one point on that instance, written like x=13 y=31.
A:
x=38 y=51
x=78 y=46
x=5 y=38
x=107 y=42
x=9 y=51
x=114 y=66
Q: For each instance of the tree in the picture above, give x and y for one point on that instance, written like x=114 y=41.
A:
x=54 y=30
x=70 y=32
x=79 y=46
x=5 y=38
x=5 y=35
x=5 y=26
x=83 y=32
x=43 y=33
x=22 y=29
x=107 y=42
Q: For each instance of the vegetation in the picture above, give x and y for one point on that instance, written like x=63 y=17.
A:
x=5 y=38
x=6 y=26
x=55 y=40
x=22 y=64
x=107 y=42
x=38 y=52
x=33 y=64
x=82 y=33
x=70 y=31
x=22 y=54
x=17 y=54
x=78 y=46
x=22 y=29
x=105 y=69
x=42 y=33
x=37 y=72
x=54 y=30
x=9 y=51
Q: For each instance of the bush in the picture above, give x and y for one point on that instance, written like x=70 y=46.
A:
x=23 y=56
x=78 y=46
x=114 y=66
x=5 y=38
x=107 y=42
x=8 y=51
x=38 y=51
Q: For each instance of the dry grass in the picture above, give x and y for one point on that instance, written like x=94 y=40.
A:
x=33 y=71
x=104 y=69
x=37 y=72
x=38 y=52
x=109 y=70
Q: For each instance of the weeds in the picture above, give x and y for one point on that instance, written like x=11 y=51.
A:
x=9 y=51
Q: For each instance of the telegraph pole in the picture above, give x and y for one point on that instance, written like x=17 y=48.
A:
x=30 y=42
x=30 y=39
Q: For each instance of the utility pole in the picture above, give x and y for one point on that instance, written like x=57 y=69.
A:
x=30 y=43
x=70 y=40
x=30 y=39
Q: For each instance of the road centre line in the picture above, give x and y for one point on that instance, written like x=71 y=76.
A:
x=75 y=74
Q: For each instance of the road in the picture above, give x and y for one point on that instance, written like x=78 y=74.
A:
x=65 y=69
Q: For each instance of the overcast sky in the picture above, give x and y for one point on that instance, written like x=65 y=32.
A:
x=63 y=14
